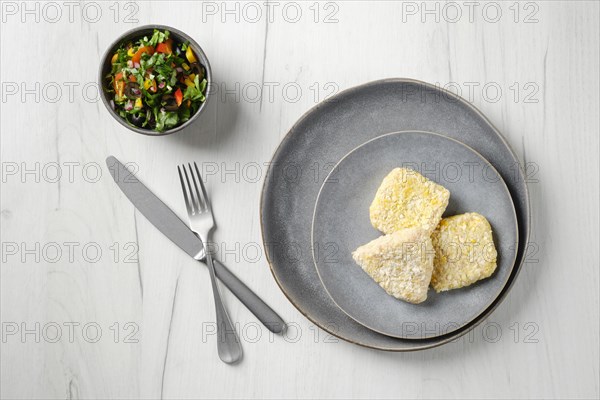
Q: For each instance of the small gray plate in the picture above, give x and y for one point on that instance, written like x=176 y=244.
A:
x=341 y=224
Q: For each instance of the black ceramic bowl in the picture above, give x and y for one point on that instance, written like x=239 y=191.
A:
x=136 y=34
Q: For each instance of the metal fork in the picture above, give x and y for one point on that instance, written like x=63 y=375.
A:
x=202 y=223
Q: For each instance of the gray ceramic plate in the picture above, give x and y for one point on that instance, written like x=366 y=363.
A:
x=341 y=224
x=319 y=140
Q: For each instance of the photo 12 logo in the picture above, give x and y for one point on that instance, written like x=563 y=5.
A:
x=53 y=12
x=470 y=11
x=68 y=252
x=270 y=11
x=68 y=332
x=273 y=92
x=49 y=92
x=57 y=172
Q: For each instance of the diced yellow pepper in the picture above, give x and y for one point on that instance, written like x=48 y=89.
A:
x=189 y=81
x=189 y=54
x=114 y=59
x=150 y=84
x=185 y=66
x=130 y=52
x=138 y=103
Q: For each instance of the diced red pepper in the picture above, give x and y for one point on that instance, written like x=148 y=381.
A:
x=178 y=97
x=132 y=78
x=138 y=54
x=119 y=84
x=165 y=47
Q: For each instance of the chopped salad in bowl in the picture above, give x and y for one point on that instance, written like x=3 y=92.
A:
x=155 y=83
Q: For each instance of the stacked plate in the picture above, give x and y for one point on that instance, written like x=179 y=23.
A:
x=323 y=176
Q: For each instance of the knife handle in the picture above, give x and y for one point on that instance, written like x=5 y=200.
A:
x=255 y=304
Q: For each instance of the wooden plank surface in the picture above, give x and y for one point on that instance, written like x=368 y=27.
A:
x=95 y=303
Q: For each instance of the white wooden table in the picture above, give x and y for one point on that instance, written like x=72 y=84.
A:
x=96 y=303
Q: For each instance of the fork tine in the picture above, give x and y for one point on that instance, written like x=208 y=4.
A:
x=195 y=179
x=183 y=188
x=205 y=196
x=194 y=201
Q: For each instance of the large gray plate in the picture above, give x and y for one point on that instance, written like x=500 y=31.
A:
x=319 y=140
x=341 y=222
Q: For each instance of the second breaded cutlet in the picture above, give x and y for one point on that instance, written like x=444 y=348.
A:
x=464 y=251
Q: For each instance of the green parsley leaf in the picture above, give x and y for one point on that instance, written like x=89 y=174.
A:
x=158 y=37
x=166 y=120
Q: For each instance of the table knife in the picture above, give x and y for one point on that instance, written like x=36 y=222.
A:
x=163 y=218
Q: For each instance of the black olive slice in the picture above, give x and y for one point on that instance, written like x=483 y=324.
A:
x=169 y=103
x=138 y=118
x=197 y=69
x=132 y=90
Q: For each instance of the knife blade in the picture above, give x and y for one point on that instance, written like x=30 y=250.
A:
x=166 y=221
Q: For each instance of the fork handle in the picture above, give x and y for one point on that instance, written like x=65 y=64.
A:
x=228 y=343
x=255 y=304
